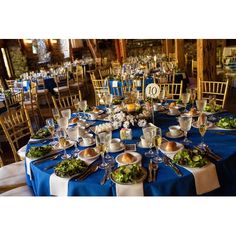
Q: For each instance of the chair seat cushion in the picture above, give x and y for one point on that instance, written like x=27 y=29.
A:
x=12 y=174
x=75 y=85
x=61 y=89
x=20 y=191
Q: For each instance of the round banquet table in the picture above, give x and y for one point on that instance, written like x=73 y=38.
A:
x=167 y=182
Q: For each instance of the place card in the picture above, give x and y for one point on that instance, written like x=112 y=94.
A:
x=130 y=147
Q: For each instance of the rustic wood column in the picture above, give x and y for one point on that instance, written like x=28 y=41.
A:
x=169 y=46
x=206 y=61
x=179 y=53
x=120 y=45
x=3 y=72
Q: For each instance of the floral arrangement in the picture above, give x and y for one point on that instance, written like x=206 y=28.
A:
x=120 y=117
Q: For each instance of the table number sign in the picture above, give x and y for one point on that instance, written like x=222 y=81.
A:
x=152 y=90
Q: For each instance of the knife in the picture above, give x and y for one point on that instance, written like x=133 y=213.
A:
x=46 y=158
x=87 y=173
x=212 y=154
x=104 y=178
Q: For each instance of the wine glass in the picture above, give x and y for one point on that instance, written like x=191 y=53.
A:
x=101 y=146
x=201 y=103
x=185 y=123
x=202 y=127
x=56 y=114
x=157 y=143
x=83 y=106
x=61 y=133
x=109 y=158
x=212 y=104
x=149 y=133
x=76 y=104
x=66 y=113
x=73 y=133
x=63 y=122
x=51 y=128
x=193 y=95
x=161 y=96
x=185 y=97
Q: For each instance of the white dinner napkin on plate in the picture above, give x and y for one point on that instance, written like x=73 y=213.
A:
x=206 y=178
x=28 y=169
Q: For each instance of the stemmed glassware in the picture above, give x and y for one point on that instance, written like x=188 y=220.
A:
x=56 y=114
x=185 y=97
x=109 y=158
x=63 y=122
x=201 y=103
x=51 y=127
x=193 y=95
x=83 y=106
x=61 y=133
x=76 y=104
x=66 y=113
x=185 y=123
x=157 y=144
x=202 y=127
x=149 y=133
x=101 y=145
x=161 y=96
x=73 y=133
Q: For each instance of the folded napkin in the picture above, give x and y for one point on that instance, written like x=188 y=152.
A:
x=115 y=84
x=129 y=190
x=28 y=169
x=206 y=178
x=58 y=185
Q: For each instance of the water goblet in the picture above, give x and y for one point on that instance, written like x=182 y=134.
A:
x=202 y=127
x=201 y=104
x=51 y=127
x=66 y=113
x=83 y=106
x=185 y=123
x=185 y=97
x=73 y=133
x=149 y=133
x=63 y=122
x=56 y=114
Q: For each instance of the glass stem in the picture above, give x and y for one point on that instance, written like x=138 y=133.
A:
x=185 y=134
x=103 y=157
x=64 y=152
x=202 y=139
x=76 y=147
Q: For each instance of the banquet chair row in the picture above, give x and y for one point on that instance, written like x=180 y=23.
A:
x=78 y=82
x=173 y=90
x=62 y=83
x=219 y=89
x=42 y=91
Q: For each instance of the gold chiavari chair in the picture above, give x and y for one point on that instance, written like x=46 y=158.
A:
x=218 y=89
x=78 y=82
x=42 y=91
x=103 y=73
x=100 y=86
x=173 y=90
x=138 y=84
x=62 y=82
x=66 y=102
x=14 y=101
x=16 y=127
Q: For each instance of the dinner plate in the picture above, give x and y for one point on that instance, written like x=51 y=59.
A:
x=69 y=145
x=122 y=147
x=82 y=144
x=176 y=114
x=196 y=115
x=137 y=158
x=141 y=179
x=40 y=139
x=169 y=135
x=139 y=144
x=220 y=128
x=87 y=158
x=51 y=152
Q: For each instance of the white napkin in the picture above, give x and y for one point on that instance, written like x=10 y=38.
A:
x=58 y=185
x=115 y=84
x=129 y=190
x=22 y=152
x=28 y=169
x=206 y=178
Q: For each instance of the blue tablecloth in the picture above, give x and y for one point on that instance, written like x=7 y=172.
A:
x=167 y=183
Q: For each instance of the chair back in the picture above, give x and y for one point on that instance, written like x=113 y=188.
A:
x=173 y=90
x=61 y=80
x=16 y=127
x=14 y=101
x=103 y=73
x=65 y=102
x=40 y=83
x=99 y=86
x=218 y=89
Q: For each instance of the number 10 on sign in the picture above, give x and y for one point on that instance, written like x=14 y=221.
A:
x=152 y=90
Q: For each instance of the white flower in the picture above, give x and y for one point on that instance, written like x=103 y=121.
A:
x=126 y=124
x=142 y=122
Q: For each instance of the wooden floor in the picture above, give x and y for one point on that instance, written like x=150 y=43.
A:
x=89 y=96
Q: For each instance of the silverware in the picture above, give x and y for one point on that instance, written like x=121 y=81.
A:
x=150 y=167
x=91 y=170
x=169 y=163
x=50 y=157
x=154 y=168
x=104 y=178
x=51 y=166
x=212 y=154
